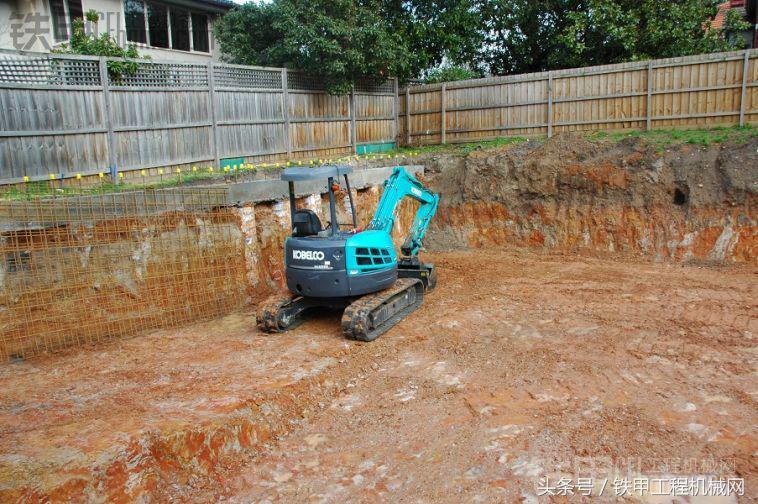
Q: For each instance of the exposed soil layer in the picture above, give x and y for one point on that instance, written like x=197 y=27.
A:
x=519 y=365
x=686 y=202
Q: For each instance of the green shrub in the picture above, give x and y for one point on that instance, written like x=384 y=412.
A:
x=102 y=45
x=449 y=74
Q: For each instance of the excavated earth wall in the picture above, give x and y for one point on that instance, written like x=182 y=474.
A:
x=681 y=203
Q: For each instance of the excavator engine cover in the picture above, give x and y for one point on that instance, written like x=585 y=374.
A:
x=318 y=267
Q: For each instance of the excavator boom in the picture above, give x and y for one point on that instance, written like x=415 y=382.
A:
x=397 y=187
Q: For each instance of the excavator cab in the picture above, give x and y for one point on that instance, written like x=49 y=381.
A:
x=322 y=260
x=306 y=222
x=335 y=265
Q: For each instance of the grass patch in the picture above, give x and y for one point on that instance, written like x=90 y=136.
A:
x=72 y=187
x=459 y=148
x=701 y=137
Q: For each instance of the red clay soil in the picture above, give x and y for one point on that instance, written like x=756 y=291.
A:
x=569 y=194
x=519 y=366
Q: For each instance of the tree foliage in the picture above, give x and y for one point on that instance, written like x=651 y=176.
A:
x=100 y=45
x=526 y=36
x=338 y=41
x=341 y=41
x=437 y=32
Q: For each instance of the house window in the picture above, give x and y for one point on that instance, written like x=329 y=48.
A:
x=180 y=36
x=63 y=13
x=168 y=27
x=200 y=32
x=157 y=25
x=134 y=12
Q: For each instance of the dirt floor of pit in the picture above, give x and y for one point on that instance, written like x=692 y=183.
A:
x=519 y=365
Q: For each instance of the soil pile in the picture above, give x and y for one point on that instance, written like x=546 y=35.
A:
x=684 y=202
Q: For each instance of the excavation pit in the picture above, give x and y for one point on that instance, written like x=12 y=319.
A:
x=581 y=317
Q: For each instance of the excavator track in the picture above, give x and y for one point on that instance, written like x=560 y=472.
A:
x=372 y=315
x=280 y=312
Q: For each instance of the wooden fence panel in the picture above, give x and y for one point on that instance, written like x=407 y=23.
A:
x=156 y=128
x=53 y=117
x=64 y=116
x=690 y=91
x=697 y=94
x=425 y=115
x=611 y=101
x=375 y=118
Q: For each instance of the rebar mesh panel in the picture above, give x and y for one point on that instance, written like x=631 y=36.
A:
x=305 y=82
x=49 y=71
x=236 y=77
x=375 y=86
x=174 y=75
x=85 y=269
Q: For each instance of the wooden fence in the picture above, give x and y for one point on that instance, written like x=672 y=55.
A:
x=690 y=91
x=65 y=115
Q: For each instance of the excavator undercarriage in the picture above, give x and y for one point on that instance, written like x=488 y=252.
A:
x=364 y=318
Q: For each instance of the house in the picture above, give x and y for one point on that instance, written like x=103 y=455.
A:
x=748 y=10
x=161 y=29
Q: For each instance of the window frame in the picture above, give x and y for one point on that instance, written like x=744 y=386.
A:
x=67 y=27
x=190 y=12
x=68 y=24
x=144 y=22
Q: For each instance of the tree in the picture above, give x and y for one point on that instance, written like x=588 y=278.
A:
x=338 y=41
x=342 y=41
x=528 y=35
x=438 y=32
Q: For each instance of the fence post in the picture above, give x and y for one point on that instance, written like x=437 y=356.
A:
x=353 y=129
x=214 y=121
x=443 y=120
x=743 y=95
x=104 y=81
x=549 y=104
x=649 y=100
x=407 y=116
x=286 y=112
x=395 y=113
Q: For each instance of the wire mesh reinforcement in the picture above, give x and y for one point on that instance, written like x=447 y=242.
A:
x=83 y=269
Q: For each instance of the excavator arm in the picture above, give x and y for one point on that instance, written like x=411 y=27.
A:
x=398 y=186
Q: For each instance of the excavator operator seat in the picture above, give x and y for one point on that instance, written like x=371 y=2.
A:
x=305 y=223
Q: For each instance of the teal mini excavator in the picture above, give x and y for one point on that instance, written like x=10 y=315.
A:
x=339 y=266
